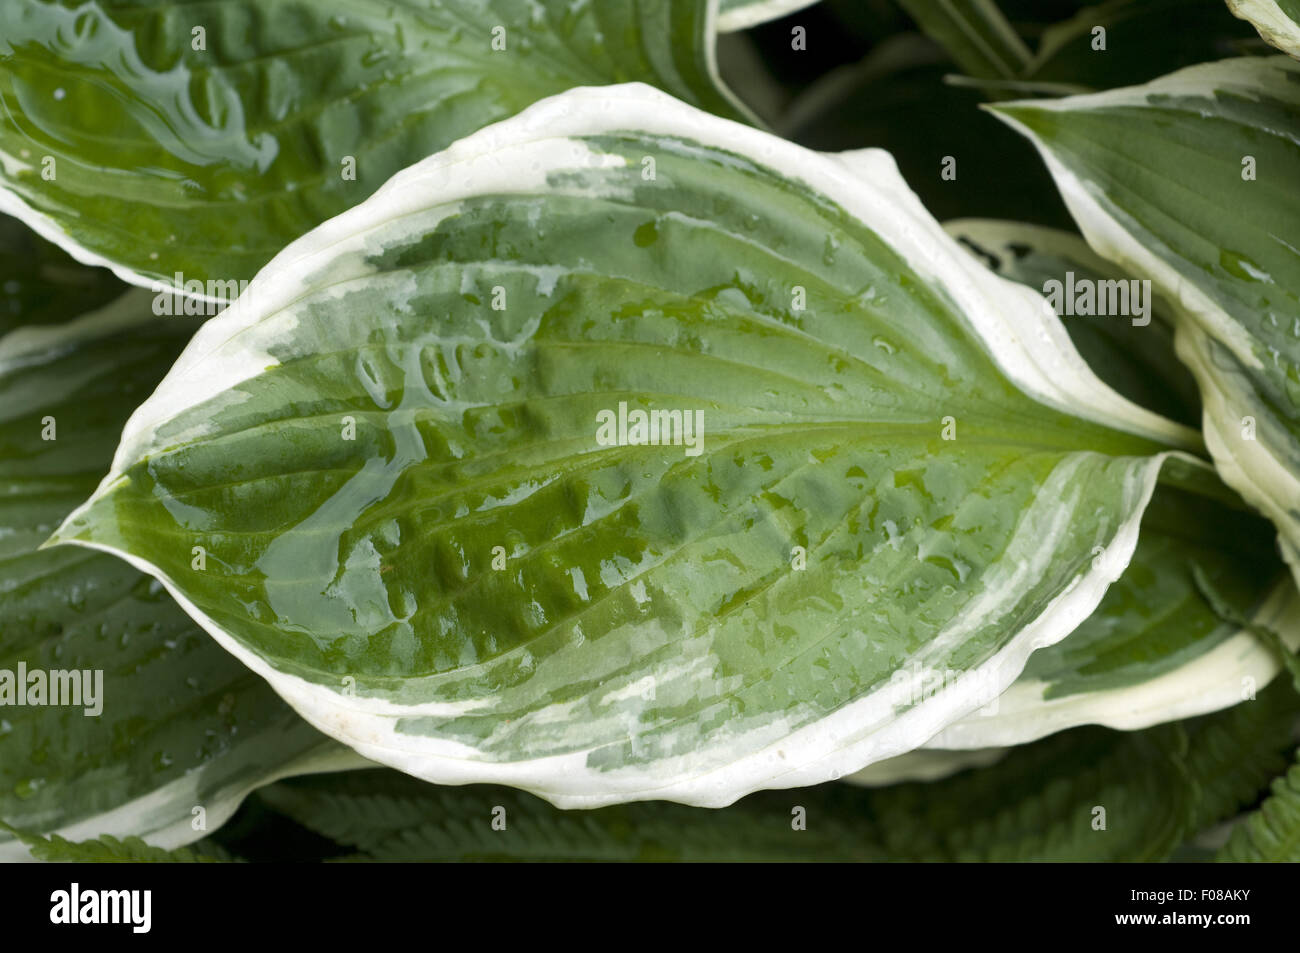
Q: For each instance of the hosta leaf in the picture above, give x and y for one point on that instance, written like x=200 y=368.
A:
x=237 y=125
x=1190 y=181
x=359 y=441
x=180 y=724
x=1277 y=21
x=742 y=14
x=1156 y=648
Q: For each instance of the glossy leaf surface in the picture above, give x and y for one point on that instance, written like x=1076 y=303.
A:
x=1190 y=181
x=198 y=140
x=395 y=451
x=177 y=732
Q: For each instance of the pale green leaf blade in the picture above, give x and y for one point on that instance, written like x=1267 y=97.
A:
x=1278 y=21
x=1190 y=181
x=236 y=127
x=420 y=526
x=176 y=732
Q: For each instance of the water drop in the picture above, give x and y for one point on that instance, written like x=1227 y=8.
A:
x=27 y=788
x=645 y=235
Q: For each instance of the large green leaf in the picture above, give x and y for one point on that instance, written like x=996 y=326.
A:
x=362 y=437
x=180 y=724
x=169 y=159
x=1277 y=21
x=1191 y=182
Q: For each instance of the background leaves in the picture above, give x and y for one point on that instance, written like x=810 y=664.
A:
x=182 y=726
x=296 y=108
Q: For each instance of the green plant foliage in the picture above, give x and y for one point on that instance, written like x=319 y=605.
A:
x=110 y=850
x=448 y=365
x=298 y=108
x=1039 y=803
x=1272 y=833
x=177 y=731
x=524 y=452
x=1211 y=238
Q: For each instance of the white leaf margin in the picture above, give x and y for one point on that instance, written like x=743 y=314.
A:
x=1272 y=22
x=1019 y=328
